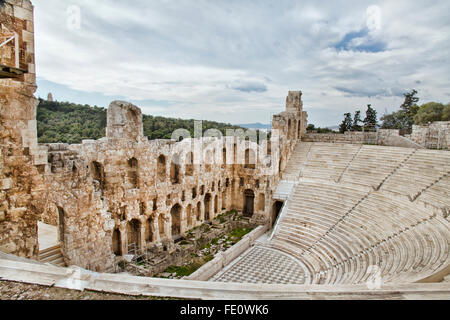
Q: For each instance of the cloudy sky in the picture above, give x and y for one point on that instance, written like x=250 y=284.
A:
x=235 y=61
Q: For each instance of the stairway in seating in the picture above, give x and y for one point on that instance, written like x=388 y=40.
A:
x=52 y=255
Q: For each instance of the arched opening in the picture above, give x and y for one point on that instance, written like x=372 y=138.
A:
x=133 y=235
x=161 y=168
x=161 y=226
x=133 y=173
x=194 y=192
x=189 y=169
x=250 y=159
x=117 y=242
x=98 y=174
x=224 y=157
x=208 y=206
x=175 y=212
x=190 y=216
x=61 y=224
x=199 y=211
x=299 y=129
x=276 y=209
x=175 y=170
x=149 y=230
x=249 y=203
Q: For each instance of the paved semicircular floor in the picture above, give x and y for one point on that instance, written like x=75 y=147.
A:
x=263 y=265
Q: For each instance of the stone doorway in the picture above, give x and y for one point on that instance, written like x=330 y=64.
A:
x=276 y=210
x=249 y=203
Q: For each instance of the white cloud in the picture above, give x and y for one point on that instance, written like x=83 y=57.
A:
x=235 y=61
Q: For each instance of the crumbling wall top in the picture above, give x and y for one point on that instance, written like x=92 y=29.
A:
x=124 y=121
x=294 y=102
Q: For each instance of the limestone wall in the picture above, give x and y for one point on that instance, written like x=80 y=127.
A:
x=383 y=137
x=124 y=192
x=20 y=182
x=433 y=136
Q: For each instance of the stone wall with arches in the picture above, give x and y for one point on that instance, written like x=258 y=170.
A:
x=125 y=193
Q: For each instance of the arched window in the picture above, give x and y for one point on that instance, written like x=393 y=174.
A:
x=161 y=168
x=133 y=173
x=189 y=169
x=224 y=157
x=98 y=174
x=175 y=170
x=250 y=159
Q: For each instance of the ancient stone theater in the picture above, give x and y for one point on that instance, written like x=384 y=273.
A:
x=326 y=215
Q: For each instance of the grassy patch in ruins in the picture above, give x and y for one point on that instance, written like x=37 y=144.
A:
x=208 y=251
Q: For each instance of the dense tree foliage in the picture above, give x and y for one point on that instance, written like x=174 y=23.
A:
x=65 y=122
x=370 y=121
x=410 y=113
x=346 y=124
x=356 y=121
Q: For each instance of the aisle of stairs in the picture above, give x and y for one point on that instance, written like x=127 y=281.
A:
x=52 y=255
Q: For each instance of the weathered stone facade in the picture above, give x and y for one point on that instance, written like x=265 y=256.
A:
x=20 y=158
x=125 y=190
x=436 y=135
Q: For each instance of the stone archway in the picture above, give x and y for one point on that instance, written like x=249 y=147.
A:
x=249 y=203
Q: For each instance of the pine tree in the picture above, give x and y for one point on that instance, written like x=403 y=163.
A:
x=356 y=121
x=346 y=124
x=371 y=118
x=410 y=108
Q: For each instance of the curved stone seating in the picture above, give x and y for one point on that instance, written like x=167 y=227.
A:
x=338 y=232
x=438 y=194
x=419 y=172
x=374 y=163
x=328 y=160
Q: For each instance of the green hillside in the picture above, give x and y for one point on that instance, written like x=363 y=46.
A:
x=65 y=122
